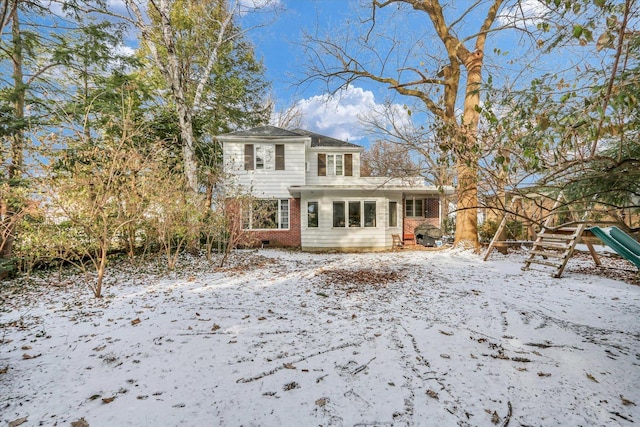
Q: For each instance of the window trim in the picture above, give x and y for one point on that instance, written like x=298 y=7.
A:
x=412 y=214
x=317 y=213
x=393 y=214
x=346 y=213
x=264 y=157
x=356 y=215
x=335 y=164
x=364 y=213
x=248 y=217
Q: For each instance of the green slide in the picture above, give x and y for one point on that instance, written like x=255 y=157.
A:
x=625 y=245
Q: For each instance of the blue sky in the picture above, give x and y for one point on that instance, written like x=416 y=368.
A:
x=338 y=116
x=278 y=46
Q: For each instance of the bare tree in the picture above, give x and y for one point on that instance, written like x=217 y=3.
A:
x=365 y=53
x=386 y=158
x=186 y=59
x=288 y=118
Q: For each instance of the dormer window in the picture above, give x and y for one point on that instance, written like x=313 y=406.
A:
x=333 y=164
x=264 y=157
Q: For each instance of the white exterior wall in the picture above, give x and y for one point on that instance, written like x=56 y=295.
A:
x=325 y=236
x=267 y=183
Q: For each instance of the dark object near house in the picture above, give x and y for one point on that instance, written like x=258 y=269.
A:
x=427 y=234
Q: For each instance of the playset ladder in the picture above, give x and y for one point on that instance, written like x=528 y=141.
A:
x=515 y=203
x=554 y=246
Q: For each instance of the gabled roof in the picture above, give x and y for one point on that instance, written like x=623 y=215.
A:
x=317 y=140
x=271 y=131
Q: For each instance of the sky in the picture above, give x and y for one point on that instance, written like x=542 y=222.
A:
x=278 y=44
x=279 y=47
x=338 y=115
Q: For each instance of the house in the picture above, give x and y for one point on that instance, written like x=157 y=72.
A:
x=315 y=196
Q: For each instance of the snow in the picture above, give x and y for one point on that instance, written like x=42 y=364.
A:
x=283 y=338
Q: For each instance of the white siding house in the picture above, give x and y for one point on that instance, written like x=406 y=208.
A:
x=322 y=201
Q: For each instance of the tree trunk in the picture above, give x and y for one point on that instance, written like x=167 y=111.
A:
x=467 y=163
x=467 y=211
x=102 y=266
x=11 y=208
x=186 y=132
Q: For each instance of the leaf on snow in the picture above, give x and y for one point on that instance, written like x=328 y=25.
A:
x=592 y=378
x=108 y=399
x=626 y=401
x=135 y=321
x=289 y=366
x=27 y=356
x=80 y=423
x=432 y=394
x=18 y=422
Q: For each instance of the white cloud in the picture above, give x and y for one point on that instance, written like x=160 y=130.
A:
x=340 y=115
x=523 y=14
x=257 y=4
x=122 y=50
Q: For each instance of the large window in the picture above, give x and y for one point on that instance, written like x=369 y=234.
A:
x=354 y=214
x=267 y=215
x=414 y=207
x=312 y=214
x=264 y=157
x=369 y=214
x=339 y=219
x=393 y=214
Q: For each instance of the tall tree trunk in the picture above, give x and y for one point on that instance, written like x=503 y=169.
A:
x=10 y=205
x=186 y=132
x=467 y=164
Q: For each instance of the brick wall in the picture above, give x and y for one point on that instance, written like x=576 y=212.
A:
x=432 y=209
x=432 y=216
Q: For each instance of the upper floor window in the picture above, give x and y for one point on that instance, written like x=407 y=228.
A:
x=331 y=164
x=264 y=157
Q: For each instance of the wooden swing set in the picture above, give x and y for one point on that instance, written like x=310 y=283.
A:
x=554 y=244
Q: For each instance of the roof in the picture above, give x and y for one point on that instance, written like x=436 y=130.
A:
x=317 y=140
x=270 y=131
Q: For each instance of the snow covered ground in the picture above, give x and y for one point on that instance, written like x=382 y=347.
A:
x=424 y=338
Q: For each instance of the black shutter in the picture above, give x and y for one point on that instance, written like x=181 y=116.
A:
x=248 y=157
x=279 y=157
x=348 y=165
x=322 y=164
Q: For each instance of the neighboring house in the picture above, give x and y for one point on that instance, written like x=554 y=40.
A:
x=316 y=197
